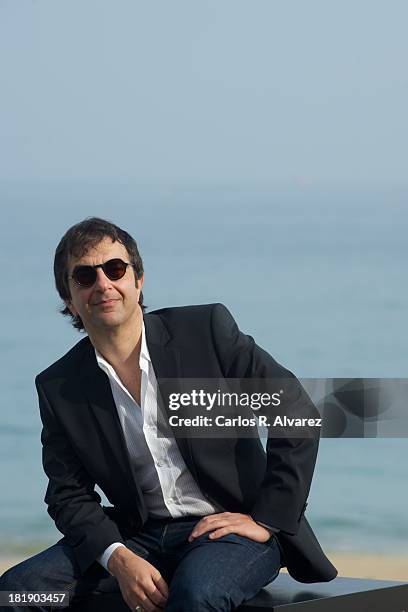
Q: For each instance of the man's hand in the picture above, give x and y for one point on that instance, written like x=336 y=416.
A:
x=140 y=582
x=230 y=522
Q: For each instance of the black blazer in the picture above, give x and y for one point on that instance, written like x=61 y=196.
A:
x=83 y=443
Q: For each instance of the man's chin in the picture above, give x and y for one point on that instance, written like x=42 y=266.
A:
x=110 y=319
x=107 y=320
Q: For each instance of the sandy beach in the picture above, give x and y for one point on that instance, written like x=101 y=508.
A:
x=381 y=567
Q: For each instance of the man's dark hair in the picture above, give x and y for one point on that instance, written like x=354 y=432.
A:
x=77 y=241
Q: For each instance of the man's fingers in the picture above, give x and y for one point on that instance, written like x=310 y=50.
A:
x=206 y=527
x=155 y=598
x=147 y=595
x=229 y=522
x=154 y=593
x=218 y=533
x=150 y=599
x=133 y=601
x=210 y=518
x=161 y=585
x=147 y=605
x=216 y=521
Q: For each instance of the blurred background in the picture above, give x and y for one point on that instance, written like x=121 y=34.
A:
x=257 y=152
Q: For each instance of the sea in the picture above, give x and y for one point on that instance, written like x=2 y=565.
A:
x=317 y=275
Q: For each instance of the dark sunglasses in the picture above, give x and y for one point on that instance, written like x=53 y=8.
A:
x=114 y=269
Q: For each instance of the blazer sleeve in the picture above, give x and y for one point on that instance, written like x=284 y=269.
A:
x=290 y=462
x=72 y=501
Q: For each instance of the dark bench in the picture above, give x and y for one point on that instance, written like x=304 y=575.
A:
x=287 y=595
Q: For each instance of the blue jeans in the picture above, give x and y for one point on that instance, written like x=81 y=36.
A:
x=216 y=575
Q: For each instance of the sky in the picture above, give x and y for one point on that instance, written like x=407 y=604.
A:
x=263 y=93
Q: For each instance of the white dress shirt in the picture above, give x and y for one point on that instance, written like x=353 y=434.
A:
x=169 y=489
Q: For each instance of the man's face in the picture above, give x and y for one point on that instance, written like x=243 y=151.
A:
x=107 y=303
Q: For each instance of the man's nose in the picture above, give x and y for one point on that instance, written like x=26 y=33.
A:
x=102 y=281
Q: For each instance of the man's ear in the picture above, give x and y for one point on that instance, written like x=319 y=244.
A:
x=71 y=308
x=140 y=281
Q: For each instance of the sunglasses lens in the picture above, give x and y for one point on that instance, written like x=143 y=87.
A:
x=84 y=275
x=115 y=269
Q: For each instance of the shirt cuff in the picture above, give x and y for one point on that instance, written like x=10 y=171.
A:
x=105 y=556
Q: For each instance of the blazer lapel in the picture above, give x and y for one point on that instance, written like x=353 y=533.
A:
x=165 y=357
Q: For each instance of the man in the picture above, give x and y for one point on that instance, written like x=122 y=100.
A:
x=195 y=524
